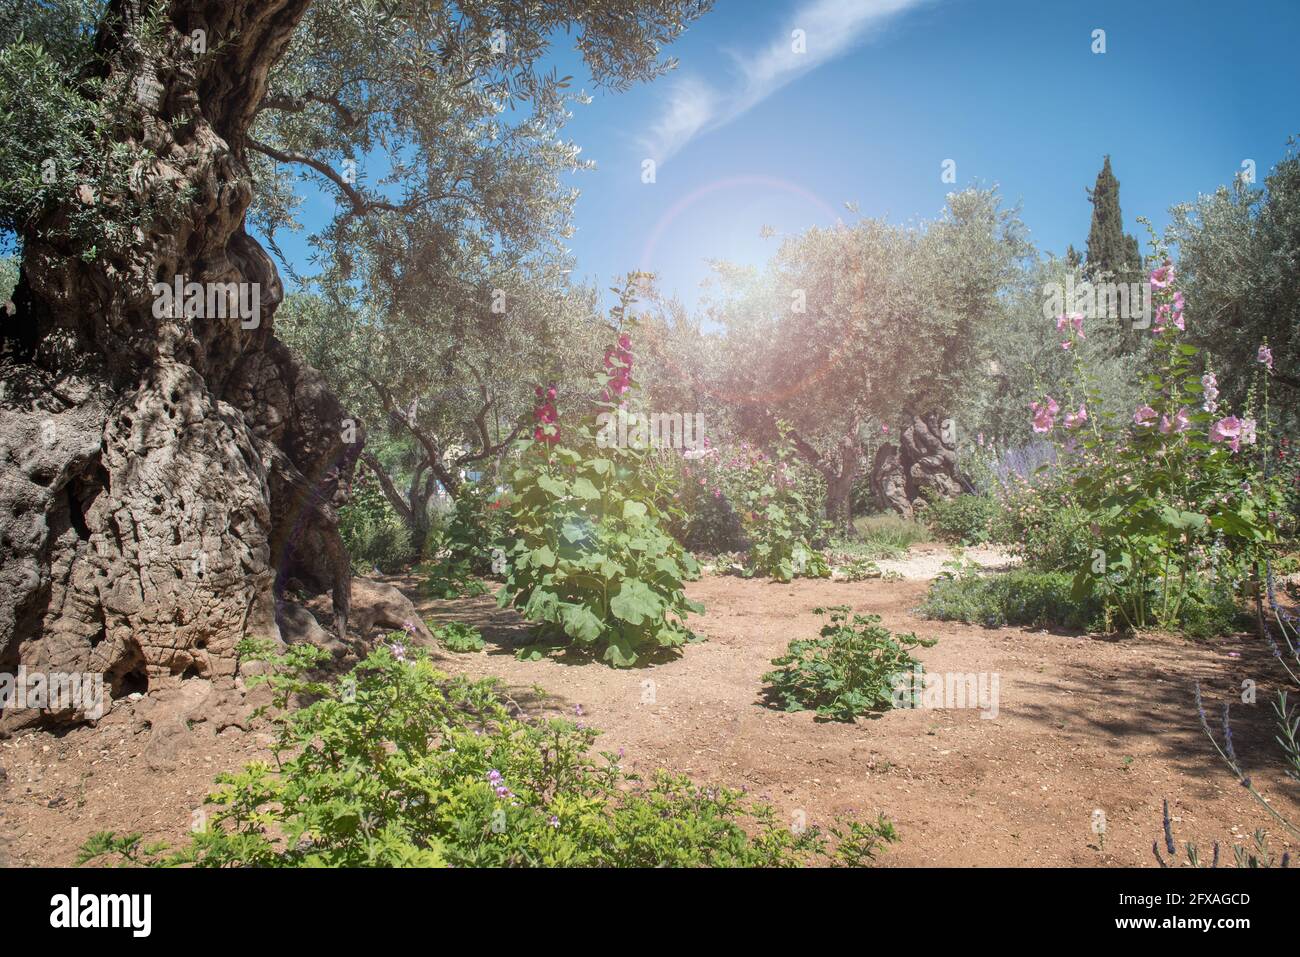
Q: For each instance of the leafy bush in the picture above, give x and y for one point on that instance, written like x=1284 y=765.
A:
x=700 y=516
x=372 y=532
x=849 y=670
x=965 y=519
x=1028 y=597
x=449 y=576
x=461 y=549
x=775 y=502
x=713 y=527
x=1039 y=525
x=591 y=560
x=856 y=569
x=780 y=513
x=457 y=636
x=400 y=765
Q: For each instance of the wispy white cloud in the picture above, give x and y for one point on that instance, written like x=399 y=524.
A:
x=831 y=28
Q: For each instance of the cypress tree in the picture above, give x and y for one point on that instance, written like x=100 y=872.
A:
x=1112 y=256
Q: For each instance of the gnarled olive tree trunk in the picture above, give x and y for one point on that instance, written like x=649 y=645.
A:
x=162 y=476
x=923 y=465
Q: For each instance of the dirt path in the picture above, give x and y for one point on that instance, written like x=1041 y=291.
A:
x=926 y=561
x=1082 y=725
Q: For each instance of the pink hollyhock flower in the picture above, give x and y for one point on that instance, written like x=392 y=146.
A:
x=1162 y=317
x=1073 y=320
x=1211 y=386
x=1228 y=430
x=1144 y=417
x=1075 y=419
x=1265 y=356
x=1163 y=276
x=1247 y=431
x=1045 y=414
x=1066 y=345
x=618 y=365
x=1068 y=321
x=546 y=415
x=1166 y=314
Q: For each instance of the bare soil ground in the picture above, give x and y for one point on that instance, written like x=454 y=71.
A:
x=1084 y=724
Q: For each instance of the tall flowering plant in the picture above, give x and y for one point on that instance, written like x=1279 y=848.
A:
x=591 y=561
x=1172 y=495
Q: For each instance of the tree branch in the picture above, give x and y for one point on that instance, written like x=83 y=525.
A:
x=390 y=490
x=361 y=204
x=299 y=103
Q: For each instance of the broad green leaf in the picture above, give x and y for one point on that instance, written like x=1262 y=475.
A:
x=584 y=489
x=635 y=602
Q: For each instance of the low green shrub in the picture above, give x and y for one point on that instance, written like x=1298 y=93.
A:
x=1040 y=528
x=847 y=671
x=1028 y=597
x=460 y=550
x=457 y=636
x=1038 y=599
x=400 y=765
x=373 y=533
x=1209 y=610
x=965 y=519
x=855 y=569
x=779 y=503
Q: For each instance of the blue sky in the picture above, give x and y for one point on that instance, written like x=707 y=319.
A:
x=747 y=133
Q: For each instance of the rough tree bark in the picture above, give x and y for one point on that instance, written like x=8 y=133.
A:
x=162 y=480
x=924 y=463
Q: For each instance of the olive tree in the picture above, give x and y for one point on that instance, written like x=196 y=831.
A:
x=171 y=468
x=856 y=327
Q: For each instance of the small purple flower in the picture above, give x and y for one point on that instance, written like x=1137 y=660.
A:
x=554 y=821
x=494 y=776
x=399 y=651
x=577 y=709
